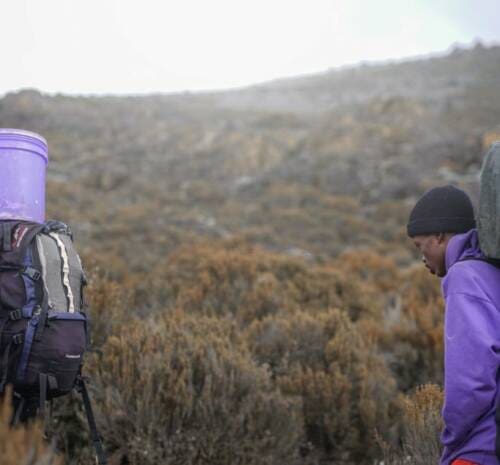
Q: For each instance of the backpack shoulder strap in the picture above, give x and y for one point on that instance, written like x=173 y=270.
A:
x=492 y=261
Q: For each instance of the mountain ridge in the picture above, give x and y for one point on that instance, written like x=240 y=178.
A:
x=268 y=163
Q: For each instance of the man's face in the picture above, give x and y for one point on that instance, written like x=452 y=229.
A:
x=433 y=250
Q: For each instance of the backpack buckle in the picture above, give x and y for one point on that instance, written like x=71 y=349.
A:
x=18 y=338
x=16 y=314
x=32 y=273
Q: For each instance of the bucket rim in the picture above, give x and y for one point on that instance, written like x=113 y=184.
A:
x=23 y=132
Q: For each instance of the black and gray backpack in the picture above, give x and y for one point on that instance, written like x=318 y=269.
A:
x=488 y=225
x=44 y=330
x=488 y=218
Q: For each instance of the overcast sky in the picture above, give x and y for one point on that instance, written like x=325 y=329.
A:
x=142 y=46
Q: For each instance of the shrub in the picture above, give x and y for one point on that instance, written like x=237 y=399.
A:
x=376 y=278
x=365 y=265
x=422 y=425
x=414 y=343
x=248 y=283
x=346 y=389
x=108 y=303
x=23 y=444
x=184 y=390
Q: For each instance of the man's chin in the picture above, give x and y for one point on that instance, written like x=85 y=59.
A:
x=439 y=274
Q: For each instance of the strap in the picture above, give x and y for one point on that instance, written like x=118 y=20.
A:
x=31 y=273
x=4 y=366
x=96 y=439
x=42 y=321
x=19 y=410
x=3 y=322
x=87 y=331
x=43 y=393
x=29 y=335
x=7 y=236
x=14 y=315
x=42 y=294
x=84 y=308
x=492 y=261
x=11 y=267
x=47 y=384
x=48 y=427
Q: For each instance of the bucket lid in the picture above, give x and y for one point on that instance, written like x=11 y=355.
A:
x=20 y=135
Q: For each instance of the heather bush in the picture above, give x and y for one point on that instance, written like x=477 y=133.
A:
x=69 y=429
x=109 y=303
x=365 y=265
x=248 y=283
x=267 y=356
x=23 y=444
x=181 y=389
x=346 y=389
x=413 y=342
x=422 y=425
x=377 y=279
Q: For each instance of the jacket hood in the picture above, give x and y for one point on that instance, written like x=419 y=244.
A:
x=462 y=246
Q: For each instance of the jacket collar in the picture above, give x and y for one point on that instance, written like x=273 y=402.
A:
x=461 y=246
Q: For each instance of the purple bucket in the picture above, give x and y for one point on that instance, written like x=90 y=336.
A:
x=23 y=161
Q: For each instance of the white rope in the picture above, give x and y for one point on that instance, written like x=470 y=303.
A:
x=65 y=274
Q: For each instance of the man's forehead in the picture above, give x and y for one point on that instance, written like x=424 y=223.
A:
x=421 y=238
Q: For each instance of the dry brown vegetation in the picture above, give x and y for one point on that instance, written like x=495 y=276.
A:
x=254 y=297
x=291 y=362
x=23 y=444
x=421 y=429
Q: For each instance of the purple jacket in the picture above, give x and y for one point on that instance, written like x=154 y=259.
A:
x=471 y=290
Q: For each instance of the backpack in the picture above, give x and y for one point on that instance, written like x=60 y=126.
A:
x=44 y=330
x=488 y=225
x=488 y=218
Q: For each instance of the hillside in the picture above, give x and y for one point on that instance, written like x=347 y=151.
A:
x=268 y=161
x=254 y=296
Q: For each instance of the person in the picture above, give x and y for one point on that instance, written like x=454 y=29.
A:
x=442 y=227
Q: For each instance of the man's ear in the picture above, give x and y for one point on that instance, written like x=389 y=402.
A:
x=441 y=238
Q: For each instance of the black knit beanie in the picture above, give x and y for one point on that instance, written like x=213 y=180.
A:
x=444 y=209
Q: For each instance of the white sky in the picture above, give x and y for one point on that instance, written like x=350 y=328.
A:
x=131 y=46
